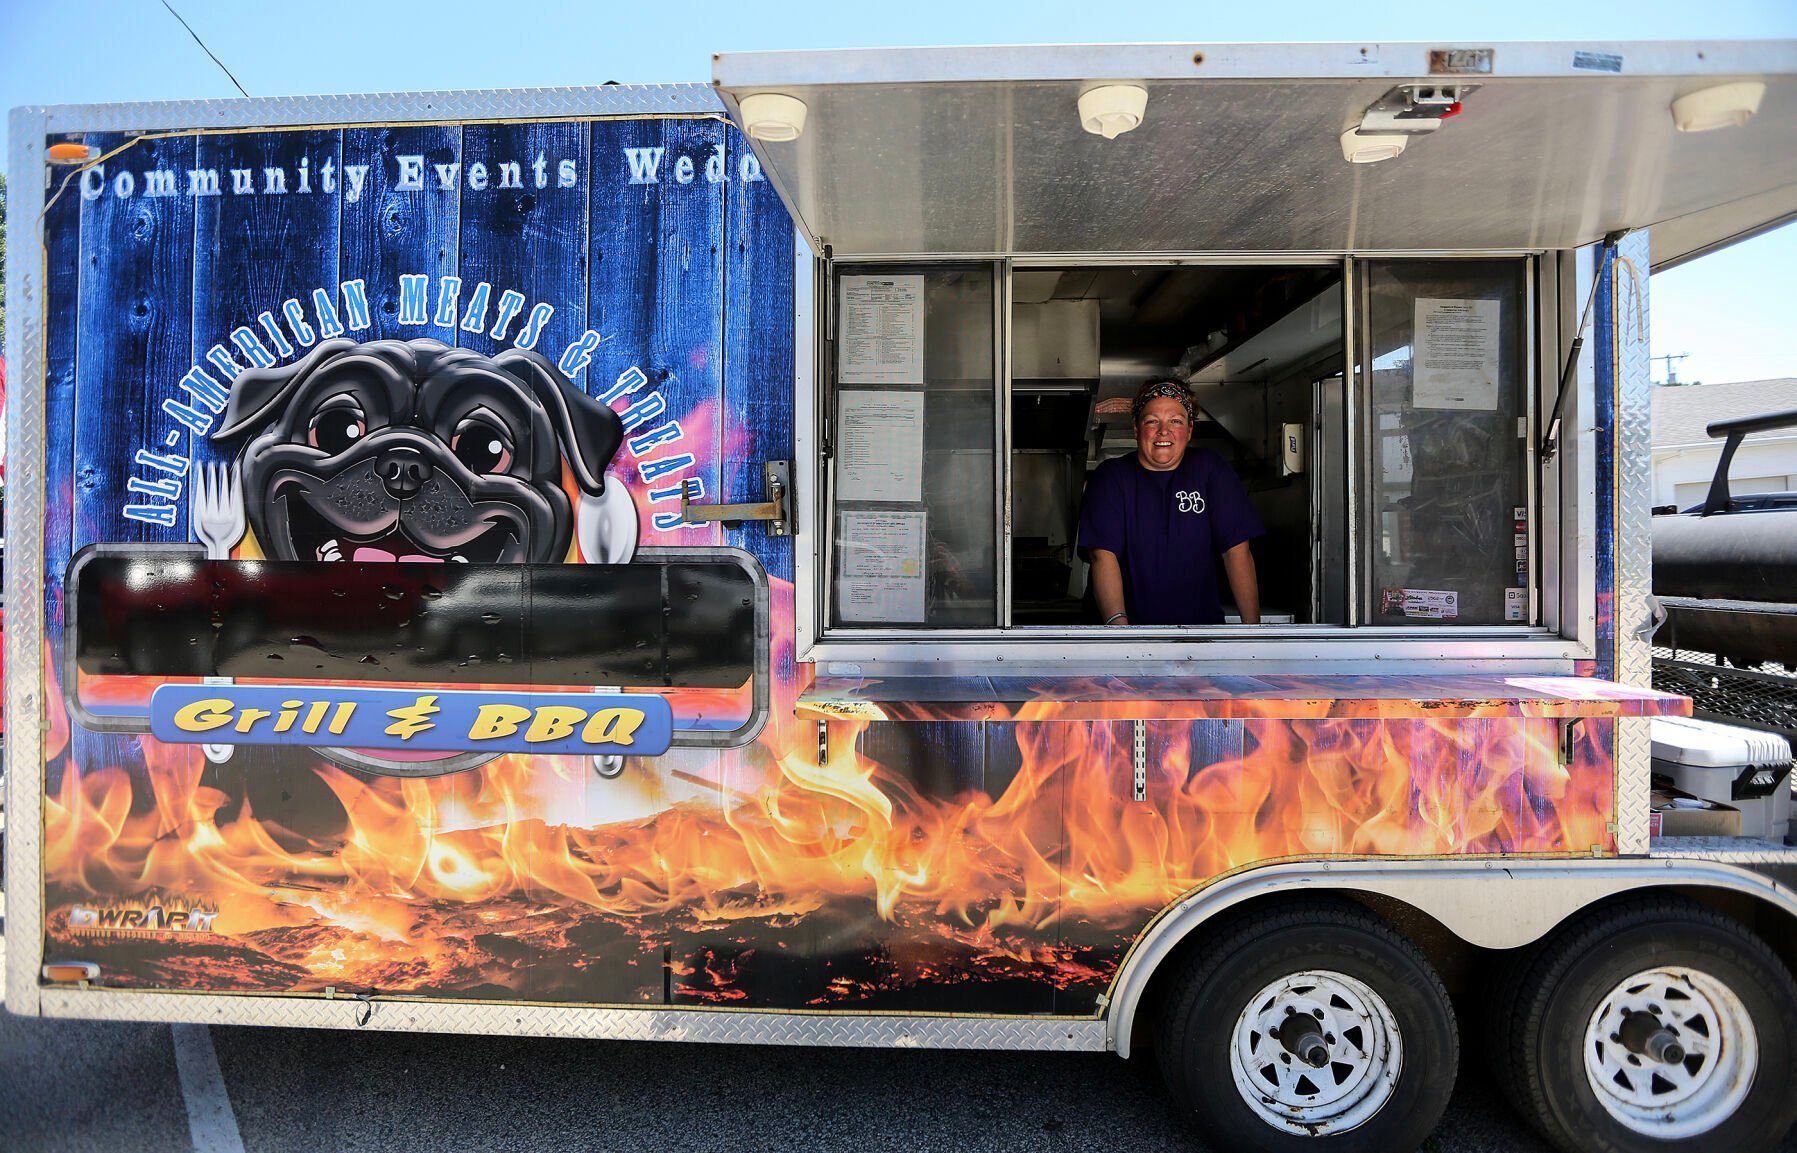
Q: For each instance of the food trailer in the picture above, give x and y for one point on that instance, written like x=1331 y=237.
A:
x=603 y=563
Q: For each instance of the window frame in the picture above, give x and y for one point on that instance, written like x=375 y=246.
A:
x=1540 y=642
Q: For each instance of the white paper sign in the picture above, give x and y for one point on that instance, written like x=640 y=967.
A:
x=1516 y=604
x=883 y=575
x=879 y=445
x=880 y=330
x=1456 y=359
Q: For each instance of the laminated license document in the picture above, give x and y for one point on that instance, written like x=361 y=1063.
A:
x=882 y=577
x=1455 y=364
x=879 y=331
x=879 y=445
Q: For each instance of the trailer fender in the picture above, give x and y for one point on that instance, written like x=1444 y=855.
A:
x=1491 y=904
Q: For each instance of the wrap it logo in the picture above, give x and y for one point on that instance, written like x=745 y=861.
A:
x=148 y=916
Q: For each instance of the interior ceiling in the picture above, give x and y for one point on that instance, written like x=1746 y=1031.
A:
x=1154 y=314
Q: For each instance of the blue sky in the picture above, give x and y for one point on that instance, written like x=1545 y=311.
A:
x=1731 y=312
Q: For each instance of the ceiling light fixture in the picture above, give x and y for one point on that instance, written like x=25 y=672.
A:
x=773 y=116
x=1724 y=106
x=1113 y=109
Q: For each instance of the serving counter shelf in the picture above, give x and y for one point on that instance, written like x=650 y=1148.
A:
x=1270 y=697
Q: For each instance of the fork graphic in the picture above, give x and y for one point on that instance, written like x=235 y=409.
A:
x=216 y=507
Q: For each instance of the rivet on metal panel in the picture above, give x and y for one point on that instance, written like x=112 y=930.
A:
x=1139 y=757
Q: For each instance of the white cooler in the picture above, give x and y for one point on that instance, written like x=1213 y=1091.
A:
x=1746 y=768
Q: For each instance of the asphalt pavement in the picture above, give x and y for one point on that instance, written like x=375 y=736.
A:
x=84 y=1087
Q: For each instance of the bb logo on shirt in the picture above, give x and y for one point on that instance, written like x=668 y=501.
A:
x=1192 y=502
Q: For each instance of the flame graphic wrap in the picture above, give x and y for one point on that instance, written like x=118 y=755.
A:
x=959 y=867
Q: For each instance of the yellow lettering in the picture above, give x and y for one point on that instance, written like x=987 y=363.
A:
x=553 y=722
x=248 y=717
x=314 y=717
x=497 y=721
x=203 y=716
x=613 y=727
x=289 y=714
x=340 y=718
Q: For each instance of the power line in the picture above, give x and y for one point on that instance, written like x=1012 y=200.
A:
x=1672 y=360
x=202 y=44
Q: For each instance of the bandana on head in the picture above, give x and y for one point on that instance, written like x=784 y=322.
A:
x=1169 y=388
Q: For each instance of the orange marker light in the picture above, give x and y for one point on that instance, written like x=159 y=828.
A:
x=68 y=152
x=65 y=971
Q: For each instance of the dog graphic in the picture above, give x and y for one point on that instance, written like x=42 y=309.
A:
x=396 y=450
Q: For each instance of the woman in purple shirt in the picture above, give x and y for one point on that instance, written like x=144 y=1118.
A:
x=1153 y=524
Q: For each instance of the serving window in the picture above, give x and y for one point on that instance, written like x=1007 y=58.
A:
x=1377 y=414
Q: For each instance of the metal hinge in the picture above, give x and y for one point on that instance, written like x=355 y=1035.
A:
x=1569 y=734
x=777 y=474
x=1139 y=756
x=823 y=742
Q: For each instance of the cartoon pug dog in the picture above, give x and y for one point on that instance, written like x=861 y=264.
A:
x=417 y=451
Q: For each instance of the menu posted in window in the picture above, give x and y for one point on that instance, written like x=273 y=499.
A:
x=879 y=330
x=879 y=445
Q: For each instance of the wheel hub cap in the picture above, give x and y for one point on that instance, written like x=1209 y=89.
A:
x=1670 y=1052
x=1316 y=1053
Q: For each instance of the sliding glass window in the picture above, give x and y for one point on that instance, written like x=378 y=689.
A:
x=911 y=442
x=1447 y=495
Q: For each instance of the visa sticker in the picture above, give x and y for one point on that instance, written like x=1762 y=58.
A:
x=1516 y=604
x=598 y=724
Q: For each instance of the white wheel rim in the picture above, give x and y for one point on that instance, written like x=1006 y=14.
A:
x=1364 y=1053
x=1670 y=1100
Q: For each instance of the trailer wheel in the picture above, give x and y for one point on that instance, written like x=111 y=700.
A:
x=1317 y=1027
x=1658 y=1025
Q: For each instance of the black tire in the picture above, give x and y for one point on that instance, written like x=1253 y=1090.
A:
x=1575 y=971
x=1197 y=1028
x=1503 y=1011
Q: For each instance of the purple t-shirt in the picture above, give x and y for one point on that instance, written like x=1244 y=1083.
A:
x=1167 y=530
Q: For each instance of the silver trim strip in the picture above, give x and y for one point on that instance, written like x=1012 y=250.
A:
x=24 y=689
x=807 y=531
x=459 y=106
x=1001 y=421
x=711 y=1026
x=1351 y=417
x=741 y=73
x=1632 y=603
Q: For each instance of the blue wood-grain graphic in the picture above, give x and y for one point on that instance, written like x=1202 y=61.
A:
x=643 y=255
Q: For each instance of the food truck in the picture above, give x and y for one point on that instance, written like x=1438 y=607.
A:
x=604 y=562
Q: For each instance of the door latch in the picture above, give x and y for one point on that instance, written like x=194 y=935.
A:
x=776 y=474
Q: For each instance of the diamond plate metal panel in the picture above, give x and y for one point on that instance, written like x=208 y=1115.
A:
x=1728 y=850
x=382 y=108
x=1634 y=534
x=702 y=1026
x=24 y=590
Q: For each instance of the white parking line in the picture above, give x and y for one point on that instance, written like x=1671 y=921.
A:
x=209 y=1117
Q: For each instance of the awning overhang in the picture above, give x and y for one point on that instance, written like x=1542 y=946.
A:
x=976 y=151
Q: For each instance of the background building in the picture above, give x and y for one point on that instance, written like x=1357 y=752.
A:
x=1684 y=456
